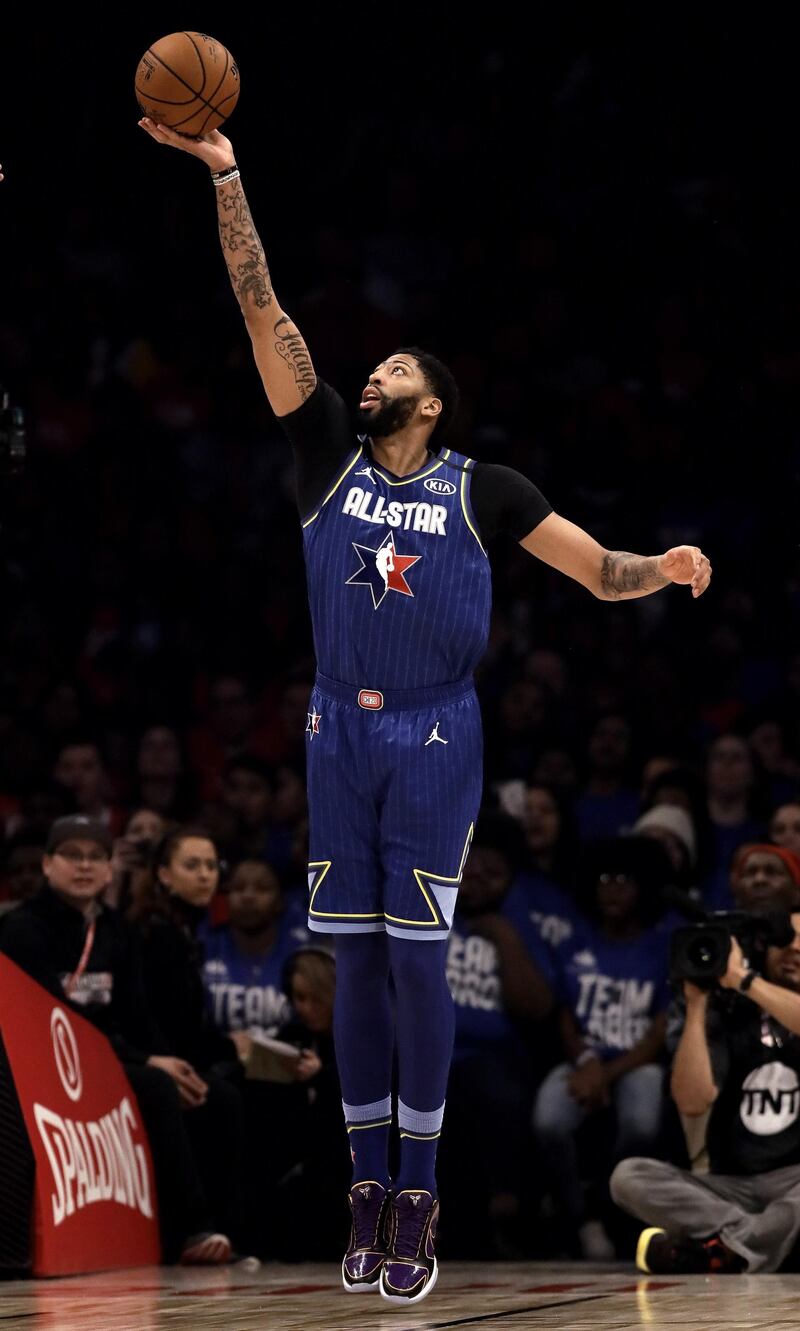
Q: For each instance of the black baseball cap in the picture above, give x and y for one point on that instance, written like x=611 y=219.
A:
x=77 y=827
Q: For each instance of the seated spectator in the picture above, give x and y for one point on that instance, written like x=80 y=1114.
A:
x=22 y=869
x=730 y=777
x=230 y=729
x=130 y=859
x=184 y=877
x=542 y=888
x=739 y=1056
x=784 y=826
x=39 y=806
x=765 y=878
x=162 y=781
x=87 y=955
x=498 y=977
x=249 y=792
x=244 y=959
x=769 y=738
x=672 y=828
x=607 y=803
x=313 y=1159
x=611 y=980
x=80 y=768
x=681 y=786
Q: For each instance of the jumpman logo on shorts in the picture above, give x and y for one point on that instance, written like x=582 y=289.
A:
x=434 y=735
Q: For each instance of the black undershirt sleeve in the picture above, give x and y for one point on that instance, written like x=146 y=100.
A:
x=322 y=434
x=503 y=500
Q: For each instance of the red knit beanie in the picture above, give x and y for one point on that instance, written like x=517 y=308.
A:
x=789 y=857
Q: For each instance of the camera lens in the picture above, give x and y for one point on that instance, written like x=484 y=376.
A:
x=702 y=953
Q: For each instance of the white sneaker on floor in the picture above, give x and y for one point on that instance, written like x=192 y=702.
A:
x=594 y=1242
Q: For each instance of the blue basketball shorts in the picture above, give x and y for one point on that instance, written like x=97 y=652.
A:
x=394 y=786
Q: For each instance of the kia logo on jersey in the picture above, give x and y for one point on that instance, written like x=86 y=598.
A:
x=438 y=487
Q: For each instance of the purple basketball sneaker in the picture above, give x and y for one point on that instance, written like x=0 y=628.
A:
x=363 y=1261
x=410 y=1270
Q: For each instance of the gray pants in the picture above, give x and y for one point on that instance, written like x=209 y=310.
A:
x=756 y=1215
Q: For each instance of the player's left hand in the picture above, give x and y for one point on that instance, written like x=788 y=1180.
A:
x=686 y=564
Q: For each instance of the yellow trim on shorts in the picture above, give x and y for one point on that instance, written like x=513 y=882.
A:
x=435 y=922
x=328 y=914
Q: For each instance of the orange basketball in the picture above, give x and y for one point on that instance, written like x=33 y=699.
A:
x=188 y=81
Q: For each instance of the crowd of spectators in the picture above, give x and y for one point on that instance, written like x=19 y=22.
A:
x=609 y=268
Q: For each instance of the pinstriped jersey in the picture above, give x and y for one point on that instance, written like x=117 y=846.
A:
x=399 y=582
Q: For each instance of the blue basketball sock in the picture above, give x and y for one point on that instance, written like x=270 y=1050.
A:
x=364 y=1039
x=425 y=1025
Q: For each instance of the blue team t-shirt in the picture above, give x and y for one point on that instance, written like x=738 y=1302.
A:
x=534 y=899
x=613 y=989
x=245 y=991
x=473 y=974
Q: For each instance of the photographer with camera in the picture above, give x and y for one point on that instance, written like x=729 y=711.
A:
x=739 y=1057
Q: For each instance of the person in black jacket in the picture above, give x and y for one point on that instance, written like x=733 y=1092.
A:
x=185 y=876
x=84 y=953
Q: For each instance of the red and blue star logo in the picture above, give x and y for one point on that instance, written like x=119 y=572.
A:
x=382 y=570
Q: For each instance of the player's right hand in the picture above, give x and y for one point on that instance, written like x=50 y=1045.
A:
x=213 y=149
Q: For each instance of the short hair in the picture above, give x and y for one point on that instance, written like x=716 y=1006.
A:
x=440 y=381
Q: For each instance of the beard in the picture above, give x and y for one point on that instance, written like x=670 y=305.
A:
x=392 y=415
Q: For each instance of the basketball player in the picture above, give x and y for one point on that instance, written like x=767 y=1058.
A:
x=395 y=529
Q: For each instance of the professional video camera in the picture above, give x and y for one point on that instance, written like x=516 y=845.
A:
x=12 y=437
x=699 y=952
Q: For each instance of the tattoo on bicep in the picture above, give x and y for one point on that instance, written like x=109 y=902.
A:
x=243 y=251
x=622 y=572
x=291 y=346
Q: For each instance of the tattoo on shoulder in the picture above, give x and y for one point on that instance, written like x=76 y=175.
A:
x=622 y=572
x=292 y=348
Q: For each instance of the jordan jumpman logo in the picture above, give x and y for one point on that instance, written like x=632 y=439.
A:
x=434 y=735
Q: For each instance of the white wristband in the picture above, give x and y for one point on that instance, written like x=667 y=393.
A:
x=223 y=179
x=586 y=1056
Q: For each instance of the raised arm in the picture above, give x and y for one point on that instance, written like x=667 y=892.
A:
x=280 y=353
x=693 y=1087
x=614 y=575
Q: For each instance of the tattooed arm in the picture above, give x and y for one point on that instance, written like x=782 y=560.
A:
x=280 y=352
x=614 y=575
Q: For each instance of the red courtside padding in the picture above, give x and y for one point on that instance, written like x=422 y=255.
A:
x=95 y=1199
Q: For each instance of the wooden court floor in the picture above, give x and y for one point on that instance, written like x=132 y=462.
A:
x=310 y=1298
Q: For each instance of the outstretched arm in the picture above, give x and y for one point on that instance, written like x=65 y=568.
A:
x=280 y=353
x=614 y=575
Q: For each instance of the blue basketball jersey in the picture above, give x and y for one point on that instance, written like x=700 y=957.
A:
x=399 y=582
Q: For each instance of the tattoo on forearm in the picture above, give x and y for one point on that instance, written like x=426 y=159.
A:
x=290 y=345
x=243 y=251
x=622 y=572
